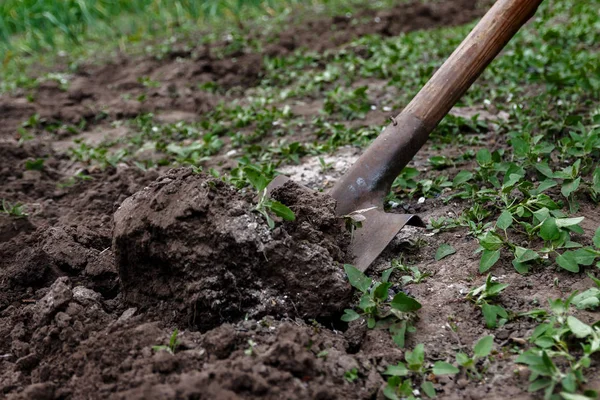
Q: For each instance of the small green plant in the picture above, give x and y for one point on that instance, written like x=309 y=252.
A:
x=265 y=205
x=396 y=315
x=562 y=350
x=172 y=346
x=34 y=165
x=410 y=273
x=404 y=376
x=351 y=375
x=475 y=365
x=251 y=350
x=589 y=299
x=351 y=104
x=16 y=210
x=482 y=296
x=355 y=219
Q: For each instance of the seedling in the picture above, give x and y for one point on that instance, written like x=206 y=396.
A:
x=475 y=365
x=265 y=205
x=354 y=220
x=404 y=376
x=562 y=350
x=34 y=165
x=251 y=350
x=351 y=375
x=16 y=210
x=374 y=305
x=482 y=296
x=172 y=346
x=414 y=273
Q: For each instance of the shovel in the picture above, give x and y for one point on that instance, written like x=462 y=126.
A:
x=361 y=191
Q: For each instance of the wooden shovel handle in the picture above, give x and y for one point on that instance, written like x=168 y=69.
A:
x=470 y=59
x=370 y=179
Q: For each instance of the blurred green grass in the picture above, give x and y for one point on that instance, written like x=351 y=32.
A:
x=32 y=25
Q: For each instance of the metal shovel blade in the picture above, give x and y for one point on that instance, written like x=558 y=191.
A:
x=377 y=231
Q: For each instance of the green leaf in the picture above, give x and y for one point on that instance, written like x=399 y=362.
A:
x=578 y=328
x=574 y=396
x=34 y=165
x=281 y=210
x=491 y=241
x=505 y=220
x=545 y=185
x=256 y=178
x=385 y=276
x=569 y=383
x=444 y=368
x=350 y=315
x=589 y=299
x=585 y=256
x=428 y=389
x=404 y=303
x=484 y=157
x=520 y=267
x=381 y=291
x=463 y=360
x=529 y=357
x=444 y=251
x=544 y=169
x=568 y=261
x=570 y=187
x=484 y=346
x=489 y=315
x=371 y=322
x=357 y=279
x=524 y=255
x=462 y=177
x=564 y=222
x=416 y=357
x=396 y=370
x=366 y=302
x=539 y=384
x=398 y=332
x=549 y=230
x=597 y=238
x=488 y=259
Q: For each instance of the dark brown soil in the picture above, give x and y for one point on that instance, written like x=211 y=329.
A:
x=190 y=244
x=106 y=267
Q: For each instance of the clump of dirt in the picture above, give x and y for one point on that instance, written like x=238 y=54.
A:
x=192 y=245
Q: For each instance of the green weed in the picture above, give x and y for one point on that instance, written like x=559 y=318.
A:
x=395 y=315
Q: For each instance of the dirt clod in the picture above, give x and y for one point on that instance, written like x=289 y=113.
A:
x=192 y=244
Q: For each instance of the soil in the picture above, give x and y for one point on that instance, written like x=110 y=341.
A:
x=102 y=93
x=105 y=268
x=188 y=243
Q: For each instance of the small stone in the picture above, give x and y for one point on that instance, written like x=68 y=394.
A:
x=58 y=296
x=127 y=314
x=502 y=334
x=84 y=295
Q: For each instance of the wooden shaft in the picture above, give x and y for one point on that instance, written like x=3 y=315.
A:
x=470 y=59
x=370 y=179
